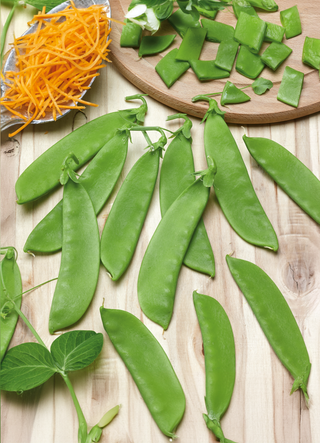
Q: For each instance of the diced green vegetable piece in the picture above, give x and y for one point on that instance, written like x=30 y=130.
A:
x=250 y=31
x=130 y=35
x=170 y=69
x=248 y=64
x=290 y=19
x=226 y=54
x=181 y=22
x=261 y=85
x=217 y=32
x=243 y=6
x=311 y=52
x=274 y=33
x=206 y=12
x=191 y=45
x=207 y=70
x=291 y=87
x=275 y=54
x=231 y=95
x=152 y=44
x=267 y=5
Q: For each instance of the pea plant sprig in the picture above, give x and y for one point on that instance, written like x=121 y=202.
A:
x=29 y=365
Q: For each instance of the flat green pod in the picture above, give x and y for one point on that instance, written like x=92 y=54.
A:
x=149 y=366
x=153 y=44
x=267 y=5
x=231 y=95
x=288 y=172
x=181 y=22
x=239 y=6
x=290 y=20
x=191 y=45
x=130 y=35
x=275 y=318
x=274 y=33
x=170 y=69
x=226 y=54
x=249 y=31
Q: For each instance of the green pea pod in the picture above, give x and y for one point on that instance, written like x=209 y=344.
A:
x=275 y=318
x=149 y=366
x=219 y=357
x=267 y=5
x=99 y=179
x=175 y=176
x=288 y=172
x=250 y=31
x=80 y=259
x=10 y=285
x=122 y=230
x=163 y=259
x=153 y=44
x=231 y=94
x=44 y=173
x=233 y=187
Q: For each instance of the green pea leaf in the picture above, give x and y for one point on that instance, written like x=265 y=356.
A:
x=26 y=366
x=261 y=85
x=76 y=349
x=164 y=11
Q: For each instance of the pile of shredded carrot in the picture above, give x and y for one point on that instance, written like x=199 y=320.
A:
x=56 y=64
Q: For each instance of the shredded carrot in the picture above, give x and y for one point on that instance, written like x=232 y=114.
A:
x=57 y=62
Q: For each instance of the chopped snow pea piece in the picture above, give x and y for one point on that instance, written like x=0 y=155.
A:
x=226 y=54
x=290 y=20
x=219 y=358
x=181 y=22
x=274 y=33
x=177 y=173
x=10 y=288
x=80 y=258
x=149 y=366
x=130 y=35
x=153 y=44
x=288 y=172
x=170 y=69
x=207 y=12
x=123 y=226
x=249 y=64
x=207 y=70
x=267 y=5
x=275 y=54
x=275 y=318
x=191 y=45
x=261 y=85
x=232 y=94
x=216 y=31
x=250 y=32
x=232 y=185
x=311 y=52
x=243 y=6
x=290 y=87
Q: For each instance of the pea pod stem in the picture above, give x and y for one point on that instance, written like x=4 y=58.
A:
x=5 y=30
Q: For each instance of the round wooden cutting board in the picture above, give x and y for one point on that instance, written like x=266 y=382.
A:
x=261 y=109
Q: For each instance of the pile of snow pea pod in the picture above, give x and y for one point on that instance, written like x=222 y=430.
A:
x=180 y=238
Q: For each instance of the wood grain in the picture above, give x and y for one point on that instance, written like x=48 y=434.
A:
x=261 y=408
x=261 y=109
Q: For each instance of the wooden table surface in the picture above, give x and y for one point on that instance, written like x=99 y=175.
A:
x=261 y=409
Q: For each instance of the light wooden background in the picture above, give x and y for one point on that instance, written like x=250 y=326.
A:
x=261 y=409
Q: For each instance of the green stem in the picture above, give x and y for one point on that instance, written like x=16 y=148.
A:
x=82 y=433
x=24 y=318
x=5 y=31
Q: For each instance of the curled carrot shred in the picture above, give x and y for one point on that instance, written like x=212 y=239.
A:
x=57 y=62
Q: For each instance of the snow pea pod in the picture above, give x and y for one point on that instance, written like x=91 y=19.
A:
x=233 y=187
x=275 y=318
x=288 y=172
x=122 y=229
x=175 y=176
x=43 y=174
x=10 y=284
x=80 y=258
x=149 y=366
x=163 y=259
x=250 y=31
x=191 y=45
x=153 y=44
x=290 y=87
x=219 y=357
x=98 y=179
